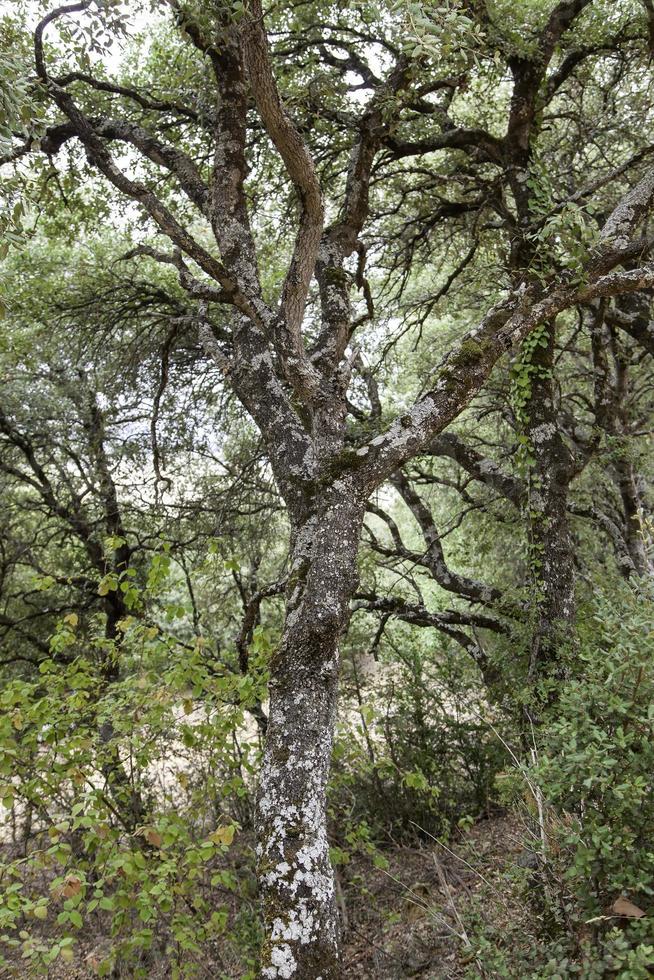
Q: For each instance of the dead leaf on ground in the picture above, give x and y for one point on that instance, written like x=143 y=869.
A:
x=622 y=906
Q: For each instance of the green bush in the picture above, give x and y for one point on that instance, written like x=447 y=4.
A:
x=596 y=772
x=414 y=753
x=131 y=804
x=598 y=761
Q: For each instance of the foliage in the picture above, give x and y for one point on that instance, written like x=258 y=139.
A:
x=592 y=878
x=596 y=770
x=414 y=756
x=131 y=812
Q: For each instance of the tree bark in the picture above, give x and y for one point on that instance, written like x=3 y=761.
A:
x=632 y=505
x=295 y=874
x=551 y=541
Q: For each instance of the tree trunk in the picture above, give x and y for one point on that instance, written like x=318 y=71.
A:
x=295 y=873
x=632 y=505
x=126 y=797
x=552 y=546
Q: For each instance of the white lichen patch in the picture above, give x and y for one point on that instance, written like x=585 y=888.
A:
x=283 y=963
x=541 y=433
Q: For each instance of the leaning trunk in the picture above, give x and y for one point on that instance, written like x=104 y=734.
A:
x=295 y=874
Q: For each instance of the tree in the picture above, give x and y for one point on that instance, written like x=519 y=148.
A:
x=275 y=101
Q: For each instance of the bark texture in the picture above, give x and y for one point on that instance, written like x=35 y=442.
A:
x=294 y=870
x=552 y=552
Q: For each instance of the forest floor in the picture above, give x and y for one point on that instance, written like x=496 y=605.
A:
x=415 y=919
x=418 y=917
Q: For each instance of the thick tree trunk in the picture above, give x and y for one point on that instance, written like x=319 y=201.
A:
x=555 y=576
x=295 y=874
